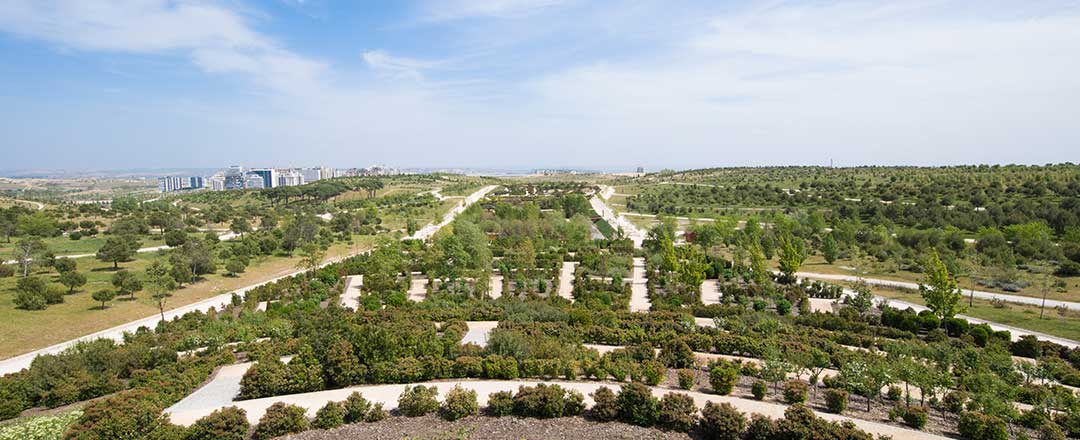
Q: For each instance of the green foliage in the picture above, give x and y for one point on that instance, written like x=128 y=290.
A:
x=722 y=377
x=686 y=379
x=940 y=292
x=978 y=426
x=500 y=404
x=637 y=406
x=605 y=407
x=546 y=401
x=356 y=408
x=280 y=419
x=677 y=412
x=418 y=400
x=759 y=389
x=795 y=391
x=722 y=421
x=836 y=400
x=459 y=403
x=330 y=416
x=229 y=423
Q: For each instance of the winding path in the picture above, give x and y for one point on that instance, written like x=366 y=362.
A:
x=615 y=220
x=20 y=362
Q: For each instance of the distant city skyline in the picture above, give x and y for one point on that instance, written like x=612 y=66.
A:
x=527 y=84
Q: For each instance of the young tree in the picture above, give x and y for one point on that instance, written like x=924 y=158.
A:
x=792 y=255
x=160 y=284
x=65 y=265
x=25 y=250
x=759 y=269
x=863 y=299
x=104 y=296
x=72 y=280
x=311 y=256
x=829 y=249
x=126 y=283
x=240 y=225
x=118 y=249
x=940 y=292
x=235 y=266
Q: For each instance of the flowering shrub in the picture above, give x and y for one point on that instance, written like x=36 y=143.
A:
x=39 y=428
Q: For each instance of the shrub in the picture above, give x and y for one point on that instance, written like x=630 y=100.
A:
x=459 y=403
x=913 y=416
x=330 y=416
x=1051 y=431
x=686 y=379
x=575 y=403
x=676 y=353
x=356 y=408
x=500 y=403
x=722 y=378
x=761 y=428
x=894 y=393
x=759 y=389
x=836 y=400
x=280 y=419
x=978 y=426
x=376 y=413
x=542 y=401
x=229 y=423
x=795 y=391
x=722 y=421
x=954 y=401
x=677 y=412
x=418 y=400
x=605 y=408
x=6 y=271
x=30 y=300
x=637 y=406
x=653 y=372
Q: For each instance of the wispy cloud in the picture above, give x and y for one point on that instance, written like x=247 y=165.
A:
x=387 y=65
x=446 y=10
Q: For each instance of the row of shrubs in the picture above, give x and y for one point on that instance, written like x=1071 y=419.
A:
x=634 y=404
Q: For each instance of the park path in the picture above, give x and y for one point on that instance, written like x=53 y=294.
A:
x=639 y=290
x=566 y=280
x=615 y=220
x=710 y=292
x=350 y=299
x=222 y=237
x=116 y=333
x=915 y=286
x=212 y=396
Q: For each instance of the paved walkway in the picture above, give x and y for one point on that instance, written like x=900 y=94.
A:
x=566 y=280
x=20 y=362
x=639 y=291
x=417 y=288
x=978 y=294
x=710 y=292
x=350 y=298
x=213 y=396
x=478 y=332
x=617 y=221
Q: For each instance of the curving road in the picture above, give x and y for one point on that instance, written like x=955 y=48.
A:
x=17 y=363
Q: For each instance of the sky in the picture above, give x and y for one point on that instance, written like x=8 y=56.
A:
x=522 y=84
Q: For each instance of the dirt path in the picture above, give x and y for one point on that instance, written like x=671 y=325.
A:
x=350 y=299
x=566 y=280
x=710 y=292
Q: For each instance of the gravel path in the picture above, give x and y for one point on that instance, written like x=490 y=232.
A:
x=566 y=280
x=478 y=332
x=978 y=294
x=350 y=298
x=639 y=291
x=617 y=221
x=417 y=288
x=496 y=287
x=710 y=292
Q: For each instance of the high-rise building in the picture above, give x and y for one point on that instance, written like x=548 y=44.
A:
x=254 y=181
x=217 y=182
x=327 y=173
x=234 y=177
x=290 y=178
x=175 y=183
x=311 y=174
x=269 y=176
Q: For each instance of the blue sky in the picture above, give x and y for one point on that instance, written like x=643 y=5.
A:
x=536 y=83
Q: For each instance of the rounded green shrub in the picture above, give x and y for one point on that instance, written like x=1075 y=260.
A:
x=605 y=408
x=677 y=412
x=795 y=391
x=836 y=400
x=356 y=408
x=229 y=423
x=722 y=421
x=280 y=419
x=330 y=416
x=686 y=379
x=418 y=400
x=637 y=406
x=722 y=378
x=459 y=403
x=759 y=389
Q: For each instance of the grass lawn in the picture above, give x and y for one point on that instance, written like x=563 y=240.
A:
x=65 y=246
x=1021 y=316
x=817 y=264
x=79 y=315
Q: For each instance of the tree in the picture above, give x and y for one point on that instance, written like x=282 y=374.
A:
x=103 y=296
x=126 y=283
x=940 y=292
x=311 y=256
x=72 y=280
x=863 y=299
x=240 y=225
x=758 y=268
x=235 y=266
x=31 y=293
x=175 y=238
x=118 y=249
x=160 y=284
x=829 y=249
x=65 y=265
x=25 y=250
x=792 y=255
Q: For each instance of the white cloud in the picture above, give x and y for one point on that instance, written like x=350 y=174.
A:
x=397 y=67
x=445 y=10
x=216 y=38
